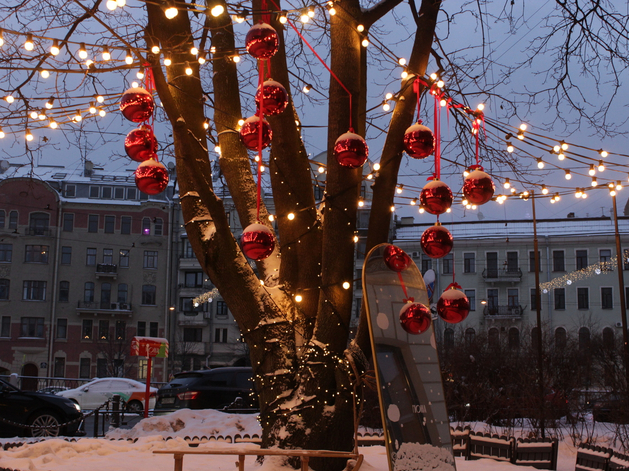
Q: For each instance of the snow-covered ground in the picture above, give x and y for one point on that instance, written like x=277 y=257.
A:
x=133 y=448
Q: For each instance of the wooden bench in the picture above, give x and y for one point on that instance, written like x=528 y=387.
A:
x=539 y=453
x=592 y=457
x=618 y=461
x=481 y=445
x=304 y=455
x=460 y=440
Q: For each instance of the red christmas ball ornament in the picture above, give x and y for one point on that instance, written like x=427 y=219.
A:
x=478 y=187
x=419 y=141
x=436 y=197
x=436 y=241
x=275 y=97
x=396 y=259
x=257 y=241
x=453 y=306
x=262 y=41
x=415 y=318
x=351 y=150
x=140 y=144
x=249 y=133
x=151 y=177
x=137 y=105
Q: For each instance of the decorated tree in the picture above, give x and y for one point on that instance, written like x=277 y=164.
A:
x=294 y=308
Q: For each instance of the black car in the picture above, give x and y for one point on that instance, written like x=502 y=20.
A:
x=46 y=415
x=612 y=408
x=228 y=388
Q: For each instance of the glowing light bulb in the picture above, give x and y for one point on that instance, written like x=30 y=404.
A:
x=111 y=5
x=298 y=298
x=53 y=124
x=77 y=118
x=603 y=153
x=236 y=58
x=510 y=147
x=194 y=51
x=601 y=166
x=188 y=69
x=404 y=74
x=618 y=185
x=564 y=146
x=271 y=218
x=217 y=10
x=355 y=239
x=346 y=285
x=376 y=166
x=360 y=28
x=507 y=183
x=201 y=58
x=241 y=122
x=171 y=12
x=568 y=175
x=106 y=54
x=1 y=134
x=92 y=108
x=291 y=216
x=561 y=156
x=54 y=49
x=101 y=112
x=140 y=74
x=28 y=135
x=155 y=49
x=365 y=42
x=44 y=73
x=1 y=38
x=544 y=190
x=592 y=170
x=311 y=13
x=594 y=182
x=29 y=45
x=321 y=169
x=283 y=18
x=128 y=57
x=9 y=99
x=82 y=51
x=167 y=61
x=392 y=208
x=34 y=114
x=121 y=3
x=361 y=202
x=49 y=103
x=100 y=98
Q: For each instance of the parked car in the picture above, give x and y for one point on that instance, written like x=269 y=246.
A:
x=611 y=409
x=218 y=388
x=51 y=415
x=93 y=394
x=53 y=389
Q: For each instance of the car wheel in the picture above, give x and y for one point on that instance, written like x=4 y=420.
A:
x=45 y=424
x=135 y=407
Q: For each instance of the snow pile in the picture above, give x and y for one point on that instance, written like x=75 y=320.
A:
x=192 y=423
x=416 y=457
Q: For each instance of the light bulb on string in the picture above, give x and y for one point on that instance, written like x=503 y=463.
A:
x=365 y=42
x=194 y=51
x=155 y=49
x=304 y=18
x=507 y=183
x=34 y=114
x=601 y=166
x=284 y=18
x=306 y=88
x=561 y=156
x=49 y=103
x=578 y=193
x=404 y=74
x=346 y=285
x=540 y=163
x=29 y=45
x=556 y=149
x=140 y=74
x=188 y=69
x=592 y=170
x=236 y=58
x=564 y=146
x=291 y=216
x=399 y=189
x=311 y=13
x=128 y=57
x=82 y=51
x=618 y=185
x=99 y=98
x=77 y=118
x=413 y=201
x=171 y=11
x=28 y=135
x=106 y=54
x=510 y=147
x=568 y=175
x=321 y=169
x=603 y=153
x=1 y=38
x=201 y=58
x=9 y=99
x=92 y=108
x=101 y=112
x=594 y=182
x=54 y=49
x=557 y=197
x=167 y=61
x=2 y=135
x=421 y=210
x=111 y=5
x=612 y=192
x=544 y=190
x=53 y=124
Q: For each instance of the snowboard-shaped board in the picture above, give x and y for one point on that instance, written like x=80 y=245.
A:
x=412 y=402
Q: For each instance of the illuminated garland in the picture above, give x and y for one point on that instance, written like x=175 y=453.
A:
x=587 y=272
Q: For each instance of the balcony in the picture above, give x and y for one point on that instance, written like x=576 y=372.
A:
x=505 y=275
x=38 y=231
x=503 y=312
x=191 y=319
x=106 y=270
x=104 y=308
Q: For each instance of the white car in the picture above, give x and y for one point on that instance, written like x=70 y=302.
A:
x=96 y=392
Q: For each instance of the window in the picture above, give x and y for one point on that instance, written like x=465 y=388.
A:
x=132 y=193
x=141 y=332
x=188 y=307
x=471 y=297
x=64 y=291
x=583 y=298
x=38 y=223
x=514 y=338
x=13 y=220
x=105 y=296
x=87 y=329
x=60 y=367
x=66 y=255
x=5 y=327
x=6 y=252
x=106 y=193
x=110 y=224
x=469 y=262
x=84 y=368
x=447 y=264
x=103 y=329
x=148 y=294
x=150 y=259
x=535 y=332
x=513 y=297
x=558 y=260
x=532 y=261
x=123 y=261
x=625 y=259
x=101 y=368
x=158 y=226
x=607 y=300
x=193 y=279
x=220 y=335
x=32 y=327
x=94 y=191
x=560 y=298
x=119 y=193
x=221 y=309
x=88 y=292
x=68 y=222
x=493 y=337
x=146 y=226
x=121 y=330
x=491 y=260
x=512 y=262
x=426 y=263
x=584 y=339
x=5 y=284
x=492 y=301
x=92 y=223
x=90 y=257
x=70 y=191
x=153 y=329
x=561 y=338
x=36 y=254
x=533 y=299
x=1 y=218
x=192 y=334
x=123 y=292
x=143 y=365
x=608 y=338
x=448 y=338
x=34 y=290
x=581 y=259
x=318 y=192
x=605 y=257
x=62 y=328
x=187 y=249
x=470 y=336
x=125 y=225
x=108 y=256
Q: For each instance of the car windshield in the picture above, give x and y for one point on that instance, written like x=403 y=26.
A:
x=183 y=379
x=7 y=387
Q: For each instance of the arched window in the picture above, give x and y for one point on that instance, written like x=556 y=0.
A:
x=470 y=336
x=448 y=338
x=493 y=337
x=584 y=338
x=38 y=224
x=514 y=338
x=608 y=338
x=560 y=338
x=534 y=338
